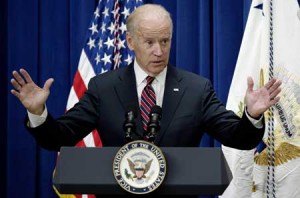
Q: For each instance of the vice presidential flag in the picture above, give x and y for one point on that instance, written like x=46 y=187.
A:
x=105 y=49
x=270 y=48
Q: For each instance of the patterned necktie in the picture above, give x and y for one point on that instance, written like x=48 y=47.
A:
x=148 y=100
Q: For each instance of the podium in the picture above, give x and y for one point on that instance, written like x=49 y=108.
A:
x=190 y=171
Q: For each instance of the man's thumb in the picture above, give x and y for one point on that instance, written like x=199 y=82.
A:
x=48 y=84
x=250 y=84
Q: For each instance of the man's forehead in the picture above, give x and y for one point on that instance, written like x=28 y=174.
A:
x=147 y=32
x=154 y=34
x=154 y=26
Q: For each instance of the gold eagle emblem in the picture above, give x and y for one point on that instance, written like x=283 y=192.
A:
x=139 y=168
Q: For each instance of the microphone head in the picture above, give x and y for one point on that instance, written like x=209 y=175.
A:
x=156 y=109
x=129 y=123
x=131 y=111
x=154 y=123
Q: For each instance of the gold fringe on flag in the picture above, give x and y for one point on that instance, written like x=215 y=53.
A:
x=283 y=154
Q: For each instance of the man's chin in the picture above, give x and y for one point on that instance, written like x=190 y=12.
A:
x=157 y=70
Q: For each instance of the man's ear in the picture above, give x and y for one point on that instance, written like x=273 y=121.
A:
x=129 y=40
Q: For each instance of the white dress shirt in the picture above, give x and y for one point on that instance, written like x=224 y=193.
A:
x=158 y=83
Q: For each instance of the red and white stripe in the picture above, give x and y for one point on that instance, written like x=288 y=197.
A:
x=84 y=73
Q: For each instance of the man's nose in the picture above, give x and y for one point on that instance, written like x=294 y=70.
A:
x=157 y=49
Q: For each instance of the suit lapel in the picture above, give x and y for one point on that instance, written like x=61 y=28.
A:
x=174 y=90
x=127 y=93
x=173 y=93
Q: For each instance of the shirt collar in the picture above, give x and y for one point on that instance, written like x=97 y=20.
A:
x=140 y=74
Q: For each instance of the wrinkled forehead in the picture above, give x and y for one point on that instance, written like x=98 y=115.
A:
x=154 y=28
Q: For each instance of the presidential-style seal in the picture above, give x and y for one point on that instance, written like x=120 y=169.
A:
x=139 y=167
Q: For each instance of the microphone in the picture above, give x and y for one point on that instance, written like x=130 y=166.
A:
x=154 y=123
x=298 y=14
x=129 y=125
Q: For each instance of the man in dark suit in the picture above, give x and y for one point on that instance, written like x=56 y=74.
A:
x=189 y=103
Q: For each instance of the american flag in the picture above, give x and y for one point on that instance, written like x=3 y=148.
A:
x=105 y=49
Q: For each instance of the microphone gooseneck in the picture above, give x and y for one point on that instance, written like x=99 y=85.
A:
x=154 y=123
x=129 y=125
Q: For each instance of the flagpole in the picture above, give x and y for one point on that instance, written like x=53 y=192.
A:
x=271 y=187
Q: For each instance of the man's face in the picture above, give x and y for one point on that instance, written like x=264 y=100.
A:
x=151 y=44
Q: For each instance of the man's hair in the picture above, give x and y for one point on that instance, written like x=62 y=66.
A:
x=147 y=10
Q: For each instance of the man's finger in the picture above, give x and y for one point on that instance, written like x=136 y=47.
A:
x=269 y=84
x=18 y=78
x=26 y=75
x=275 y=93
x=15 y=84
x=15 y=93
x=274 y=86
x=275 y=100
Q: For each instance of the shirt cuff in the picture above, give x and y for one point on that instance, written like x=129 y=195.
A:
x=37 y=120
x=257 y=123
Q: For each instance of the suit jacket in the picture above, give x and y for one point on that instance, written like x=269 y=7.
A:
x=186 y=114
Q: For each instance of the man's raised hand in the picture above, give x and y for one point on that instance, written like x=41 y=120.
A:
x=31 y=96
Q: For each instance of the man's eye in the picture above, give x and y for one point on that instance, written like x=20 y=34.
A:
x=149 y=42
x=165 y=41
